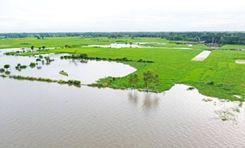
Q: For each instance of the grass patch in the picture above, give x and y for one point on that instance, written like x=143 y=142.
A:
x=69 y=82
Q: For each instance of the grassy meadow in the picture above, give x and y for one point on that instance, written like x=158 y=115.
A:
x=217 y=76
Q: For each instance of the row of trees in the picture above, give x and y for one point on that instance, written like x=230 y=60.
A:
x=150 y=80
x=206 y=37
x=33 y=47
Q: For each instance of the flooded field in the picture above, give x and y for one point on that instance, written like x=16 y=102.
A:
x=132 y=45
x=87 y=72
x=38 y=114
x=119 y=45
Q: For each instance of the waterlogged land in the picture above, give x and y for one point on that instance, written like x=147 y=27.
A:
x=54 y=69
x=218 y=75
x=35 y=113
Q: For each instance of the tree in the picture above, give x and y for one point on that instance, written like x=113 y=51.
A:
x=133 y=80
x=2 y=70
x=130 y=43
x=67 y=46
x=156 y=80
x=6 y=66
x=32 y=65
x=32 y=47
x=147 y=78
x=150 y=79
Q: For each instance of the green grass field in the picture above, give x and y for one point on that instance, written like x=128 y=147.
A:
x=217 y=76
x=233 y=47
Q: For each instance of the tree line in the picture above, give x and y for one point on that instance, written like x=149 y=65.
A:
x=219 y=38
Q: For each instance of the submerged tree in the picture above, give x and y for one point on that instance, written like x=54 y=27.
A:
x=130 y=43
x=2 y=70
x=32 y=65
x=6 y=66
x=7 y=72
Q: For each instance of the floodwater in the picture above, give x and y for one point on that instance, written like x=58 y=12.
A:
x=118 y=45
x=132 y=45
x=88 y=72
x=47 y=115
x=39 y=114
x=182 y=48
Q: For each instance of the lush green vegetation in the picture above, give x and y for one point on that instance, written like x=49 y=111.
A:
x=86 y=57
x=62 y=72
x=69 y=82
x=213 y=38
x=77 y=42
x=233 y=47
x=49 y=42
x=217 y=76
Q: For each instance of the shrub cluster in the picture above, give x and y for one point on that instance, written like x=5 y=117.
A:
x=85 y=56
x=69 y=82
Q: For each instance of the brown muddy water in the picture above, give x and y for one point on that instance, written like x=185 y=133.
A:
x=47 y=115
x=38 y=115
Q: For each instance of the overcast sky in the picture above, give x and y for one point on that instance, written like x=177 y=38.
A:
x=121 y=15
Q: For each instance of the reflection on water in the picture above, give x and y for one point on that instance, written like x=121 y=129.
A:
x=147 y=101
x=150 y=102
x=37 y=115
x=133 y=97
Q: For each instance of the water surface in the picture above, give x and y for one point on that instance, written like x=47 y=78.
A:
x=87 y=72
x=38 y=114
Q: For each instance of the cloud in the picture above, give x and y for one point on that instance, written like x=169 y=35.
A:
x=121 y=15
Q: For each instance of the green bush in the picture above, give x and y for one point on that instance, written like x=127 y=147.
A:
x=2 y=70
x=6 y=66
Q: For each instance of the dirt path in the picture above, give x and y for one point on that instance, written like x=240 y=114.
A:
x=240 y=61
x=202 y=56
